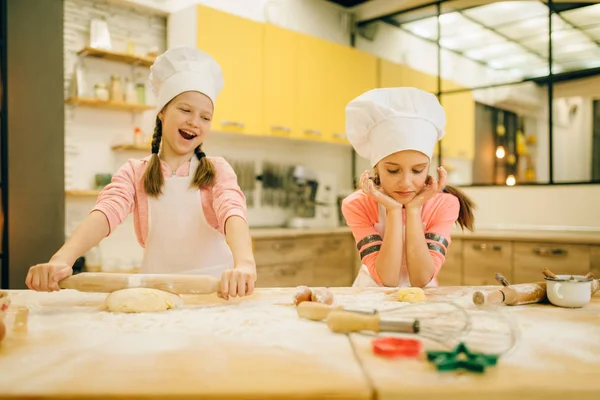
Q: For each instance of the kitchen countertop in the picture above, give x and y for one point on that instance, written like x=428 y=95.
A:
x=281 y=232
x=258 y=347
x=557 y=236
x=564 y=236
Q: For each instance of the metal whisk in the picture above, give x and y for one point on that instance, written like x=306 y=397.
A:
x=445 y=323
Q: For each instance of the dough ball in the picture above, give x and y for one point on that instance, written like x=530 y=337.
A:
x=303 y=293
x=411 y=294
x=322 y=295
x=136 y=300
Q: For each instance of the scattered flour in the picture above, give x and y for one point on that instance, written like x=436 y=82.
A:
x=538 y=336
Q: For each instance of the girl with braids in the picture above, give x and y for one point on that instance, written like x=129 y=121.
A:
x=401 y=218
x=189 y=212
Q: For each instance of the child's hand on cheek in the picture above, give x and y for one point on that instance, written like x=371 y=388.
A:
x=375 y=192
x=429 y=190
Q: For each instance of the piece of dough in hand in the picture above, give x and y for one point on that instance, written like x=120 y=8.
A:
x=137 y=300
x=411 y=294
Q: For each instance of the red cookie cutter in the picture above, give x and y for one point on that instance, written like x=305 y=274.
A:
x=392 y=347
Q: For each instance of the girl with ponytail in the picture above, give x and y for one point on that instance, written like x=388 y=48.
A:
x=189 y=212
x=401 y=217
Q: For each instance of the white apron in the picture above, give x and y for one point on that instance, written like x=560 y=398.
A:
x=364 y=278
x=180 y=240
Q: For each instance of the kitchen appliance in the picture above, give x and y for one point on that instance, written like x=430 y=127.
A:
x=312 y=199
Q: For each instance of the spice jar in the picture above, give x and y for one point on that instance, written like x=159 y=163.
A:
x=101 y=91
x=116 y=90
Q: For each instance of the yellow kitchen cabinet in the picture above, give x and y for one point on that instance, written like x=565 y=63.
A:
x=280 y=83
x=351 y=73
x=459 y=140
x=313 y=56
x=237 y=45
x=392 y=74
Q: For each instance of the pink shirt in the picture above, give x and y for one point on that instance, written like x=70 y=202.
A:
x=126 y=194
x=438 y=215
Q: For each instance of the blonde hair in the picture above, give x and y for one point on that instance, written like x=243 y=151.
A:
x=153 y=178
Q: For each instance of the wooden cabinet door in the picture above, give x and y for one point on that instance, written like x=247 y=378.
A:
x=334 y=262
x=531 y=259
x=595 y=260
x=284 y=275
x=236 y=43
x=483 y=259
x=451 y=273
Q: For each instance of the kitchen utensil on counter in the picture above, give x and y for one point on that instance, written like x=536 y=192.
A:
x=513 y=295
x=569 y=291
x=392 y=347
x=461 y=358
x=319 y=311
x=519 y=294
x=548 y=273
x=445 y=323
x=106 y=282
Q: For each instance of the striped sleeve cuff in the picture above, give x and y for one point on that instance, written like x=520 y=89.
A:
x=437 y=243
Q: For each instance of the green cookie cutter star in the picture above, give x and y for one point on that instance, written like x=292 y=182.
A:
x=452 y=360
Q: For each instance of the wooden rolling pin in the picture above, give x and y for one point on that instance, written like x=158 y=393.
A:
x=346 y=321
x=519 y=294
x=319 y=311
x=106 y=282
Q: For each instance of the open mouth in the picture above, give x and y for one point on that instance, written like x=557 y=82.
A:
x=187 y=135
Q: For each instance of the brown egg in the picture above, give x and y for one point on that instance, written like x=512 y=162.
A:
x=303 y=293
x=322 y=295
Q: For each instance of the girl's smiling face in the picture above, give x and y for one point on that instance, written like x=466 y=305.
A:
x=403 y=174
x=185 y=122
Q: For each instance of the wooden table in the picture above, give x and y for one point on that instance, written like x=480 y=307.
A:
x=257 y=347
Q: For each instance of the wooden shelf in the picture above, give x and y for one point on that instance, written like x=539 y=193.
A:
x=123 y=147
x=116 y=56
x=82 y=193
x=91 y=102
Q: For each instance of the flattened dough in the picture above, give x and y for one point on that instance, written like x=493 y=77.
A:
x=411 y=294
x=137 y=300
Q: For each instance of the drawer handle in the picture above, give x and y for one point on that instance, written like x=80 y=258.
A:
x=281 y=128
x=547 y=251
x=312 y=132
x=283 y=246
x=232 y=123
x=287 y=272
x=485 y=247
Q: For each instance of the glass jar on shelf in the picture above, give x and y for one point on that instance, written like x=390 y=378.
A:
x=101 y=91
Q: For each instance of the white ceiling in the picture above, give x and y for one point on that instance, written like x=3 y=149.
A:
x=514 y=35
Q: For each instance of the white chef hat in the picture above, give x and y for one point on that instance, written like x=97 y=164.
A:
x=384 y=121
x=182 y=69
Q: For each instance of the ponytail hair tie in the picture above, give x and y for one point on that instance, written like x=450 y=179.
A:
x=200 y=155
